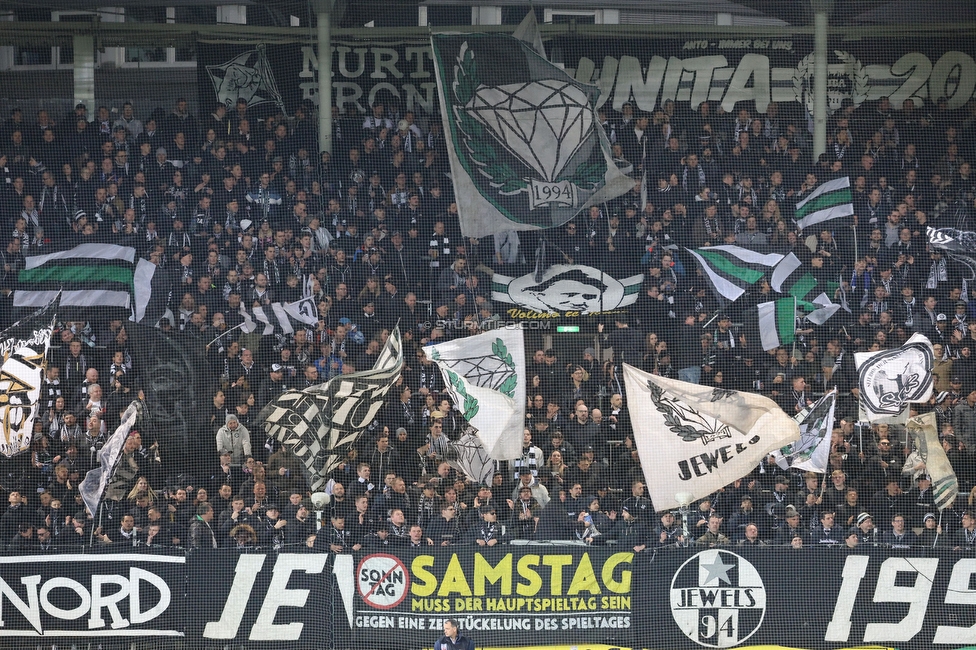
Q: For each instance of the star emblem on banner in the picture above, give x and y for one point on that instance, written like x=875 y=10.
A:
x=717 y=570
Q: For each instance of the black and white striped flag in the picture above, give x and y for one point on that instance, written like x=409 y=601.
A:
x=277 y=318
x=319 y=424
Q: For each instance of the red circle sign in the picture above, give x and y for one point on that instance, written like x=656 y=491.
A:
x=383 y=580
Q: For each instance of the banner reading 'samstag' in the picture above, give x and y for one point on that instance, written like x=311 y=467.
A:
x=697 y=439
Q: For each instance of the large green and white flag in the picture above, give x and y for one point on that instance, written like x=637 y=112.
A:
x=88 y=275
x=485 y=375
x=774 y=322
x=731 y=270
x=525 y=145
x=830 y=200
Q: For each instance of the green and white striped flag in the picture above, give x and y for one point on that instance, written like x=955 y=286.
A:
x=830 y=200
x=730 y=270
x=789 y=278
x=773 y=321
x=88 y=275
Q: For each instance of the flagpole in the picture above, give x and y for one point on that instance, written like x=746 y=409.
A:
x=793 y=353
x=603 y=282
x=225 y=334
x=709 y=321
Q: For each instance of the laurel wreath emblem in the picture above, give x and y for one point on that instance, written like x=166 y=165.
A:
x=855 y=70
x=478 y=142
x=500 y=350
x=676 y=417
x=470 y=405
x=859 y=91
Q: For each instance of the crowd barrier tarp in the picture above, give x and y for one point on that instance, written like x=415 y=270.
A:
x=92 y=596
x=504 y=596
x=815 y=598
x=646 y=71
x=264 y=599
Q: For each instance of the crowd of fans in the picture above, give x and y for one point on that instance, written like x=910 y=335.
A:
x=238 y=210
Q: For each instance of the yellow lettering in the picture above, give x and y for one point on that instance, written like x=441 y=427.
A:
x=557 y=562
x=623 y=585
x=584 y=579
x=454 y=581
x=533 y=580
x=484 y=572
x=423 y=582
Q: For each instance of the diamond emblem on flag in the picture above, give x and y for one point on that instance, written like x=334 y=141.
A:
x=526 y=148
x=468 y=455
x=527 y=118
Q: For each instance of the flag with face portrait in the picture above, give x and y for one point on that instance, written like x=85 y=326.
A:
x=321 y=423
x=247 y=76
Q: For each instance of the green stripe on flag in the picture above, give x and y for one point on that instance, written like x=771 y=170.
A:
x=721 y=263
x=825 y=201
x=77 y=274
x=803 y=286
x=786 y=320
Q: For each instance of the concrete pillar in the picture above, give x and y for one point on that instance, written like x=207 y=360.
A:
x=84 y=70
x=821 y=18
x=323 y=34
